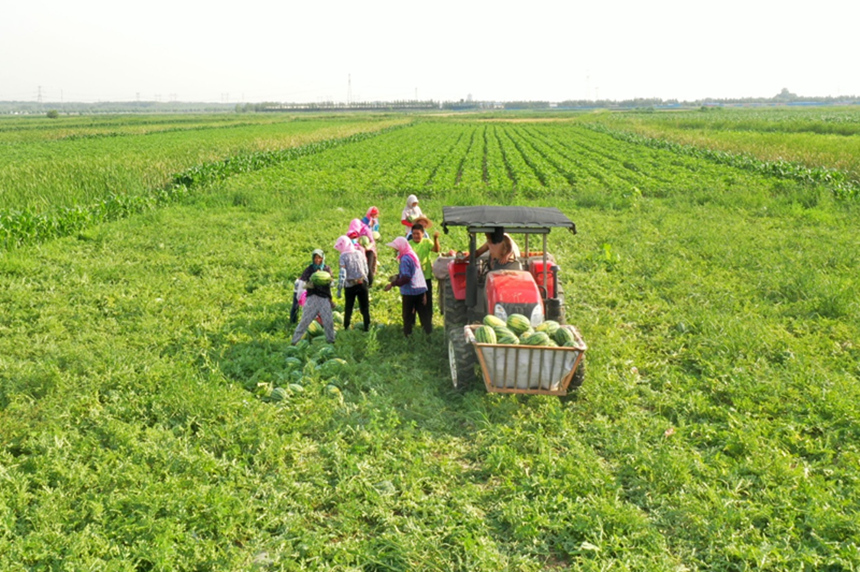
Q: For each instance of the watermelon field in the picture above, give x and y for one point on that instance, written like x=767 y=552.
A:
x=146 y=271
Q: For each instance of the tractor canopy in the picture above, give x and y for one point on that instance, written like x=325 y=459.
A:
x=527 y=220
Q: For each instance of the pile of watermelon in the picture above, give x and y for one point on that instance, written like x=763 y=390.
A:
x=517 y=330
x=308 y=366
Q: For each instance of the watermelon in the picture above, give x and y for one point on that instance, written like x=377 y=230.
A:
x=536 y=339
x=278 y=394
x=503 y=331
x=493 y=321
x=518 y=323
x=315 y=329
x=293 y=363
x=485 y=335
x=506 y=337
x=333 y=390
x=526 y=334
x=549 y=326
x=325 y=353
x=376 y=236
x=337 y=317
x=331 y=368
x=563 y=335
x=321 y=278
x=364 y=242
x=295 y=388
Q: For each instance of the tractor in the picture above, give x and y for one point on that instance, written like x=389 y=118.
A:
x=469 y=288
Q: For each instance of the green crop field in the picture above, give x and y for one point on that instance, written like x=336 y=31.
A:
x=140 y=344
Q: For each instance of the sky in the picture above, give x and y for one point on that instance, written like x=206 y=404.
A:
x=447 y=50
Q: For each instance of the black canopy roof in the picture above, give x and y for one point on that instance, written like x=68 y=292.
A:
x=515 y=219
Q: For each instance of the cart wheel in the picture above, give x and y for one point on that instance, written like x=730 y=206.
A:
x=575 y=382
x=461 y=360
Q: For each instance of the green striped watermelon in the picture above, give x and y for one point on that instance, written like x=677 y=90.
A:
x=485 y=335
x=536 y=339
x=315 y=329
x=518 y=323
x=321 y=278
x=493 y=321
x=563 y=335
x=505 y=336
x=549 y=326
x=278 y=394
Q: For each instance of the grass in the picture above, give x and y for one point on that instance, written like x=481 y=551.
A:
x=717 y=428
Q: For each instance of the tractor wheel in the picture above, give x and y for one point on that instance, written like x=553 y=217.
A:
x=555 y=307
x=455 y=310
x=461 y=359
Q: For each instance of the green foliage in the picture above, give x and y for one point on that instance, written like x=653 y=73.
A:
x=141 y=425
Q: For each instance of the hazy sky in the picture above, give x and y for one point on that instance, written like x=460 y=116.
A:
x=288 y=51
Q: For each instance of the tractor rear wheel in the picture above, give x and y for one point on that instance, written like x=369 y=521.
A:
x=455 y=310
x=461 y=359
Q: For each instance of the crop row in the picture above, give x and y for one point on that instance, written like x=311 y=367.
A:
x=533 y=161
x=838 y=182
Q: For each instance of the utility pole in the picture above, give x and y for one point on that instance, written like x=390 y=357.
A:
x=348 y=90
x=39 y=95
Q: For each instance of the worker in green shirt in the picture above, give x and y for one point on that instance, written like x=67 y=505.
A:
x=427 y=251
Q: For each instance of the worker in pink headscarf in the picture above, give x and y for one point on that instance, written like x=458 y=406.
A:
x=352 y=280
x=357 y=232
x=371 y=219
x=413 y=287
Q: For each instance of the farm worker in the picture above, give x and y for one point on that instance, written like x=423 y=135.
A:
x=357 y=230
x=352 y=279
x=427 y=250
x=371 y=219
x=411 y=213
x=504 y=252
x=318 y=302
x=413 y=287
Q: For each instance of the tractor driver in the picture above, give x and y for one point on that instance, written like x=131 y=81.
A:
x=504 y=252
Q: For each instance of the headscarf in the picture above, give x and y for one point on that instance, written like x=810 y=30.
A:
x=401 y=245
x=371 y=219
x=411 y=212
x=358 y=228
x=318 y=251
x=344 y=245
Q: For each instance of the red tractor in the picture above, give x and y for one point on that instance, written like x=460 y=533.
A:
x=469 y=289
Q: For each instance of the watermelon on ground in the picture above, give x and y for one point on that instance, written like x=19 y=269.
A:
x=315 y=329
x=278 y=394
x=331 y=368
